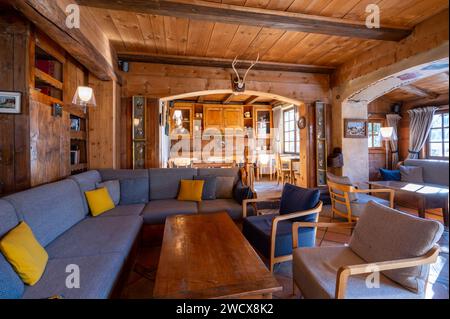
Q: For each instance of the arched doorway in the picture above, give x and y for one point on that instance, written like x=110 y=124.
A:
x=225 y=102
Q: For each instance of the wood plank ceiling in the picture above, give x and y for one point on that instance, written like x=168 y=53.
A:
x=132 y=32
x=428 y=88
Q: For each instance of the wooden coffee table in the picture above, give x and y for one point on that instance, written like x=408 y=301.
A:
x=206 y=256
x=427 y=196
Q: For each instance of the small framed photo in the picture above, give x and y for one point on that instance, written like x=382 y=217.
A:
x=355 y=128
x=10 y=102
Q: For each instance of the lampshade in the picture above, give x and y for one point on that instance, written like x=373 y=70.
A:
x=84 y=96
x=386 y=132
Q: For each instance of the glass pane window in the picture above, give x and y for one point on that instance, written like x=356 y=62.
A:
x=375 y=139
x=438 y=140
x=290 y=132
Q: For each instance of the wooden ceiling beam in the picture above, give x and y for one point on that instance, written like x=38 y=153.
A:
x=251 y=100
x=221 y=63
x=200 y=99
x=228 y=99
x=51 y=19
x=419 y=91
x=217 y=12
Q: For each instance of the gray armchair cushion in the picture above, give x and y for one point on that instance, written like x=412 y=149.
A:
x=315 y=270
x=359 y=205
x=385 y=234
x=156 y=211
x=343 y=180
x=96 y=236
x=134 y=191
x=87 y=182
x=411 y=174
x=50 y=210
x=113 y=188
x=98 y=276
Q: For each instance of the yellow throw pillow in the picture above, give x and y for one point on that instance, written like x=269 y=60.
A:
x=191 y=190
x=24 y=253
x=99 y=201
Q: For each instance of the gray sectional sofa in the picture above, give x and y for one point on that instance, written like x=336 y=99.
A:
x=435 y=172
x=101 y=246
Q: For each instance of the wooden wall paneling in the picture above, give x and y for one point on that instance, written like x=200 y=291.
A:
x=126 y=139
x=102 y=151
x=153 y=133
x=14 y=128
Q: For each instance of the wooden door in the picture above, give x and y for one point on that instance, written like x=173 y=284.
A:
x=152 y=133
x=213 y=117
x=233 y=117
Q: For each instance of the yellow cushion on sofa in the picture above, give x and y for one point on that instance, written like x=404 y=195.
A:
x=99 y=201
x=24 y=253
x=191 y=190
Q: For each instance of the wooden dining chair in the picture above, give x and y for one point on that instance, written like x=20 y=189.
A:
x=283 y=170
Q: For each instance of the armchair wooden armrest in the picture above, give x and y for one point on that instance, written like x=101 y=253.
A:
x=273 y=236
x=297 y=225
x=391 y=193
x=245 y=202
x=346 y=271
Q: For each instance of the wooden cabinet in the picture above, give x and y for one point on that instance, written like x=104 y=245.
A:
x=262 y=121
x=221 y=117
x=233 y=117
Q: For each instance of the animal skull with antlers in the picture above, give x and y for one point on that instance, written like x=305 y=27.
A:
x=238 y=82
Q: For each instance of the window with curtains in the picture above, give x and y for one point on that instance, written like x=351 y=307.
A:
x=375 y=139
x=438 y=140
x=291 y=136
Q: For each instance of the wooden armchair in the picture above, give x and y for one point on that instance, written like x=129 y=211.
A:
x=279 y=235
x=343 y=268
x=343 y=205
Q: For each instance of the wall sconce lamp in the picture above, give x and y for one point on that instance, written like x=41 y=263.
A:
x=84 y=96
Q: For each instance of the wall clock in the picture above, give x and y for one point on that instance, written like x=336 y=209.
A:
x=301 y=123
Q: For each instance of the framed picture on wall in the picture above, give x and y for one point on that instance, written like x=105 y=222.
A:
x=355 y=128
x=10 y=102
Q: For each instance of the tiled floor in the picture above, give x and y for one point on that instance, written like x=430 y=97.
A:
x=142 y=280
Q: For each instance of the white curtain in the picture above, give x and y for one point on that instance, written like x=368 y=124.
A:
x=392 y=121
x=420 y=120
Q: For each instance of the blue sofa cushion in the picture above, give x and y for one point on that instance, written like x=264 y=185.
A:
x=98 y=275
x=87 y=182
x=257 y=230
x=241 y=192
x=134 y=191
x=95 y=236
x=222 y=172
x=156 y=211
x=390 y=175
x=124 y=210
x=297 y=199
x=233 y=208
x=11 y=286
x=50 y=210
x=165 y=182
x=209 y=188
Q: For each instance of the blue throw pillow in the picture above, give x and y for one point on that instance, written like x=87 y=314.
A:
x=389 y=175
x=209 y=187
x=134 y=191
x=296 y=199
x=241 y=192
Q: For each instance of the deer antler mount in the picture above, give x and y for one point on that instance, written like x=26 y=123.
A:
x=238 y=81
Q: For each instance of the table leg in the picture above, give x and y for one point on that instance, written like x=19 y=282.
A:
x=445 y=213
x=422 y=207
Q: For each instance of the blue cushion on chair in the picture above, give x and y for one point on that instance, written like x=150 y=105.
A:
x=257 y=230
x=390 y=175
x=296 y=199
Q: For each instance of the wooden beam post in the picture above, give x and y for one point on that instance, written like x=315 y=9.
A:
x=50 y=18
x=217 y=12
x=228 y=99
x=251 y=100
